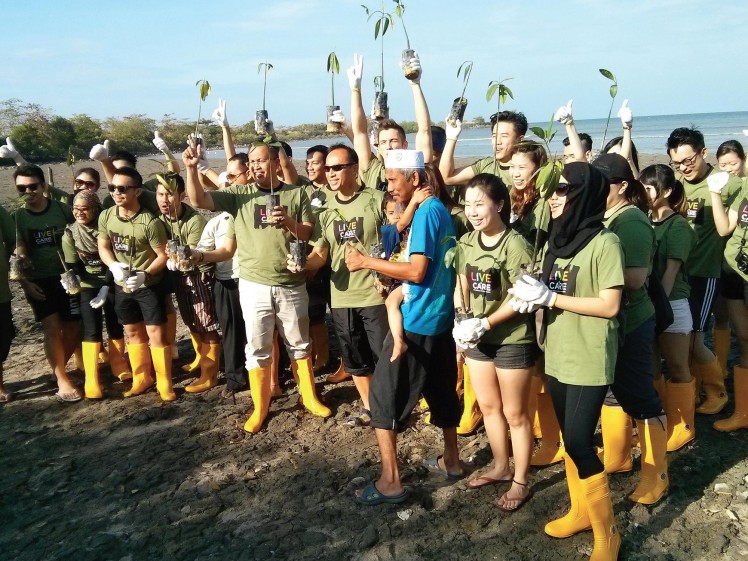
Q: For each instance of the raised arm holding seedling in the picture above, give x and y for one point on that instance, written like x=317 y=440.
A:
x=221 y=119
x=627 y=122
x=160 y=144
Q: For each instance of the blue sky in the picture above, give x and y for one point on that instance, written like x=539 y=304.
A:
x=112 y=58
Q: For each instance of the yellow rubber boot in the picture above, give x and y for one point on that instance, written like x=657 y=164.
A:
x=617 y=439
x=304 y=374
x=320 y=344
x=340 y=375
x=680 y=410
x=140 y=360
x=713 y=382
x=208 y=369
x=199 y=349
x=551 y=450
x=162 y=365
x=536 y=386
x=471 y=414
x=654 y=481
x=171 y=331
x=117 y=363
x=576 y=520
x=92 y=385
x=600 y=510
x=739 y=418
x=721 y=339
x=259 y=389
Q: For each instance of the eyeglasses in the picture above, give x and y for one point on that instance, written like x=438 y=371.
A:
x=81 y=208
x=685 y=162
x=84 y=183
x=233 y=176
x=24 y=188
x=121 y=189
x=561 y=189
x=338 y=167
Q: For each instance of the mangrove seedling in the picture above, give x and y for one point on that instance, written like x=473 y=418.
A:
x=460 y=104
x=204 y=88
x=333 y=67
x=384 y=21
x=613 y=93
x=261 y=116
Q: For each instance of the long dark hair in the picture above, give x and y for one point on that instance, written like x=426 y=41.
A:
x=524 y=199
x=662 y=178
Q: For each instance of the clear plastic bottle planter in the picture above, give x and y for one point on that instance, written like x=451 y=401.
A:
x=411 y=72
x=458 y=110
x=380 y=110
x=298 y=252
x=332 y=126
x=71 y=281
x=261 y=122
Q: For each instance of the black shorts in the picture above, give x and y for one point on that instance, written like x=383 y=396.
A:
x=504 y=356
x=7 y=330
x=58 y=301
x=361 y=333
x=732 y=285
x=144 y=305
x=704 y=292
x=93 y=318
x=428 y=367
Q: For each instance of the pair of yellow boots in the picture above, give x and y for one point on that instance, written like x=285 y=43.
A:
x=90 y=351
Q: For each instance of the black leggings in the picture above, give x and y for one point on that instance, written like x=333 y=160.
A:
x=92 y=319
x=578 y=410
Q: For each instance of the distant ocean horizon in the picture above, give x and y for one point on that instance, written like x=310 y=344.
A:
x=649 y=134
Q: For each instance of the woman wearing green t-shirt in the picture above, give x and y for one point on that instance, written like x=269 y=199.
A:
x=582 y=282
x=527 y=159
x=675 y=240
x=499 y=343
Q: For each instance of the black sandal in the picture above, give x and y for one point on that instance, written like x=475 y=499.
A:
x=521 y=501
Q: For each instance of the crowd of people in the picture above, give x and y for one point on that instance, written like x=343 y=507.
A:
x=546 y=305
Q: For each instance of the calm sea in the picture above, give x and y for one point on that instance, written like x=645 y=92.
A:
x=649 y=133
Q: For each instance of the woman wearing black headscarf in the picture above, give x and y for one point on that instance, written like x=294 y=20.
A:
x=581 y=285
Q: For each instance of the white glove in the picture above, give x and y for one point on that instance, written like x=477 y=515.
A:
x=159 y=142
x=100 y=152
x=373 y=139
x=135 y=281
x=8 y=150
x=472 y=329
x=98 y=302
x=356 y=72
x=745 y=132
x=624 y=113
x=119 y=270
x=532 y=290
x=292 y=265
x=457 y=336
x=523 y=307
x=563 y=114
x=171 y=265
x=717 y=181
x=415 y=64
x=453 y=129
x=219 y=115
x=337 y=116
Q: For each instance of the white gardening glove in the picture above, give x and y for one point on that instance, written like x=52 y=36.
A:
x=717 y=181
x=453 y=130
x=564 y=115
x=8 y=150
x=373 y=139
x=415 y=64
x=472 y=329
x=100 y=152
x=523 y=307
x=292 y=265
x=219 y=114
x=135 y=281
x=171 y=265
x=532 y=290
x=98 y=302
x=159 y=142
x=119 y=270
x=458 y=336
x=337 y=116
x=624 y=113
x=356 y=72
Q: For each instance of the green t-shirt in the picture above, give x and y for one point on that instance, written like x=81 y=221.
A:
x=362 y=218
x=374 y=177
x=189 y=229
x=147 y=200
x=134 y=240
x=318 y=195
x=88 y=266
x=675 y=240
x=582 y=350
x=537 y=219
x=490 y=165
x=7 y=242
x=59 y=195
x=706 y=258
x=42 y=232
x=490 y=271
x=740 y=234
x=263 y=247
x=637 y=238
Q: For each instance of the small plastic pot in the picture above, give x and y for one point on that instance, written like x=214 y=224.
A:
x=172 y=247
x=16 y=269
x=184 y=252
x=261 y=122
x=271 y=201
x=298 y=252
x=332 y=126
x=462 y=315
x=376 y=250
x=72 y=282
x=458 y=110
x=380 y=110
x=410 y=72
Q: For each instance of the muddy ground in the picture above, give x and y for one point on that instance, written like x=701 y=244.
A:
x=137 y=479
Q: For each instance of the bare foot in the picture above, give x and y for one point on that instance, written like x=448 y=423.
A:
x=275 y=391
x=5 y=395
x=399 y=348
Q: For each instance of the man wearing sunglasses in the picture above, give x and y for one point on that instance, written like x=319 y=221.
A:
x=687 y=153
x=271 y=296
x=40 y=225
x=132 y=243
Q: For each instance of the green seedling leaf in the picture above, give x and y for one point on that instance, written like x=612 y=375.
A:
x=377 y=26
x=449 y=257
x=168 y=184
x=492 y=87
x=613 y=90
x=468 y=66
x=333 y=65
x=365 y=9
x=539 y=132
x=204 y=88
x=548 y=178
x=507 y=92
x=608 y=74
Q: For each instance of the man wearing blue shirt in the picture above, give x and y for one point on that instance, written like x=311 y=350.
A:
x=428 y=366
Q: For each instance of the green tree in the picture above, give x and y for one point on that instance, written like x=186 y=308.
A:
x=133 y=133
x=88 y=132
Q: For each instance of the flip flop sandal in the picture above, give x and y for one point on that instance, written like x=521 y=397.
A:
x=371 y=496
x=485 y=481
x=69 y=397
x=361 y=420
x=432 y=464
x=522 y=502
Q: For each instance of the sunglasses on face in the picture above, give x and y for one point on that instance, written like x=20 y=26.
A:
x=81 y=183
x=562 y=189
x=121 y=189
x=30 y=186
x=337 y=167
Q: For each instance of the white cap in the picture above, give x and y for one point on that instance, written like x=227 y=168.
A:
x=404 y=159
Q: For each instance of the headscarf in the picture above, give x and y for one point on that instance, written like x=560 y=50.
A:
x=85 y=235
x=582 y=217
